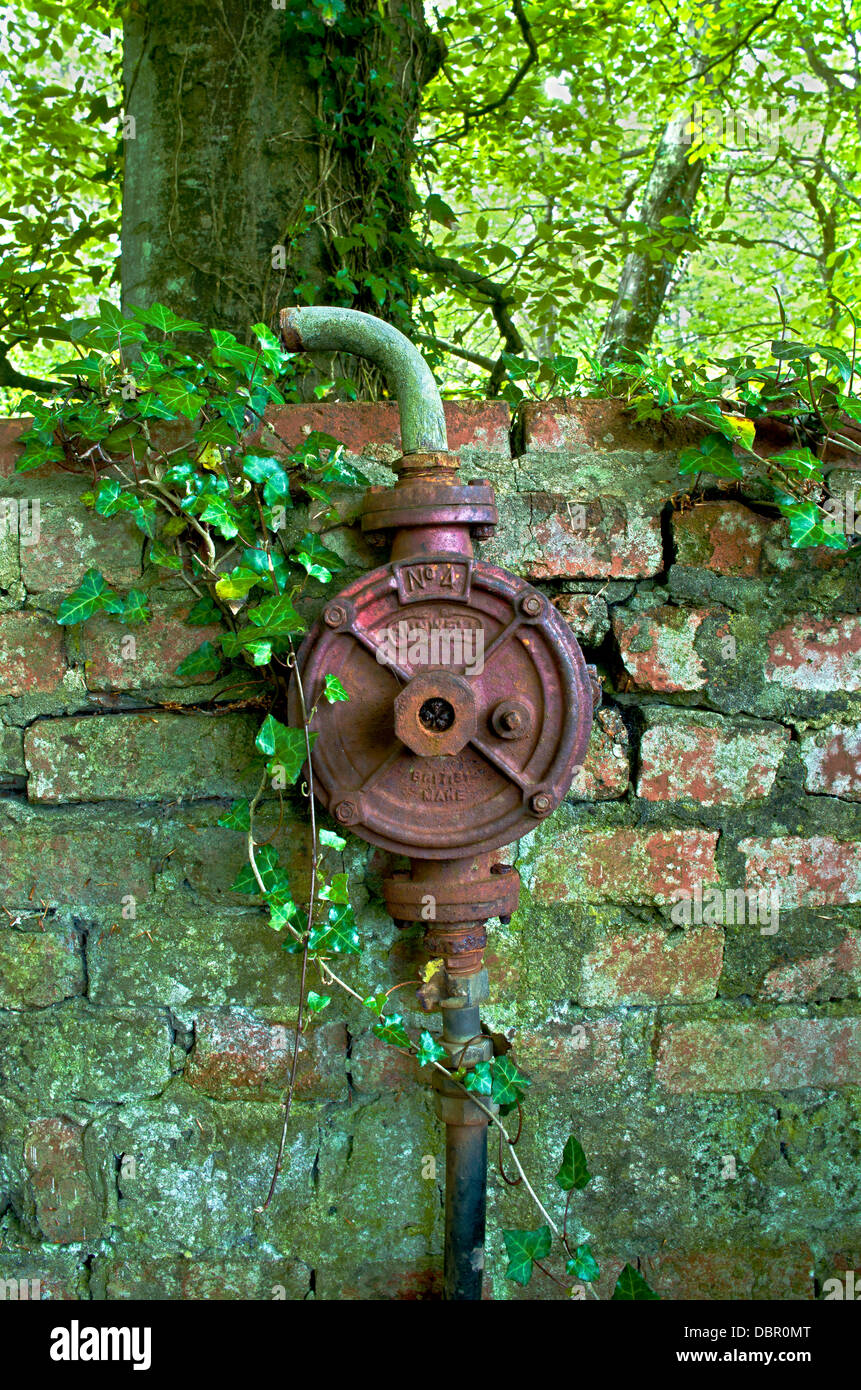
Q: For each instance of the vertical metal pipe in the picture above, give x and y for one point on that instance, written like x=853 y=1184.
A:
x=465 y=1210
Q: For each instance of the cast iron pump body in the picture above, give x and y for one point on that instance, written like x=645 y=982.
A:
x=470 y=710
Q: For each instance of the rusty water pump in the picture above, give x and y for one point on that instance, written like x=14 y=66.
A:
x=470 y=709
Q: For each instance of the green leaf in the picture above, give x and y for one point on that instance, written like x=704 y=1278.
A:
x=339 y=932
x=238 y=817
x=203 y=613
x=269 y=473
x=221 y=513
x=631 y=1287
x=429 y=1049
x=159 y=316
x=480 y=1079
x=272 y=875
x=93 y=595
x=331 y=839
x=376 y=1002
x=333 y=690
x=135 y=608
x=509 y=1084
x=237 y=583
x=522 y=1248
x=277 y=615
x=285 y=747
x=206 y=660
x=335 y=892
x=392 y=1031
x=318 y=1002
x=178 y=394
x=36 y=453
x=574 y=1172
x=160 y=555
x=583 y=1265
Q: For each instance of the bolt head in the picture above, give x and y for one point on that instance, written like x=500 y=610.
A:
x=541 y=803
x=346 y=812
x=335 y=615
x=533 y=605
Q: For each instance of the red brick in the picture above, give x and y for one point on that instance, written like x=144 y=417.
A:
x=624 y=865
x=835 y=974
x=816 y=655
x=805 y=873
x=724 y=537
x=832 y=757
x=49 y=864
x=160 y=646
x=235 y=1057
x=658 y=647
x=375 y=1066
x=587 y=616
x=653 y=967
x=778 y=1054
x=32 y=654
x=38 y=968
x=604 y=425
x=67 y=1208
x=574 y=1055
x=708 y=759
x=733 y=1274
x=73 y=539
x=606 y=770
x=363 y=426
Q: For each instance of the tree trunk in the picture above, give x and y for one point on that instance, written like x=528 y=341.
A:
x=268 y=152
x=671 y=191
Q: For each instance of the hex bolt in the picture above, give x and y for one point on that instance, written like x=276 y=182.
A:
x=511 y=719
x=335 y=615
x=346 y=812
x=541 y=803
x=533 y=604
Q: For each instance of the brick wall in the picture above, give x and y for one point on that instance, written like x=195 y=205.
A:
x=710 y=1066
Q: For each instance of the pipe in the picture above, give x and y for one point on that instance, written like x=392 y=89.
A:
x=465 y=1208
x=409 y=377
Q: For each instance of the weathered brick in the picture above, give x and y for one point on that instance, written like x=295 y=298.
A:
x=73 y=539
x=731 y=1054
x=38 y=968
x=653 y=967
x=90 y=1054
x=12 y=766
x=725 y=537
x=624 y=865
x=10 y=445
x=587 y=615
x=67 y=1208
x=607 y=424
x=362 y=426
x=243 y=1277
x=374 y=1066
x=149 y=757
x=47 y=860
x=146 y=656
x=833 y=974
x=733 y=1274
x=658 y=647
x=606 y=770
x=687 y=756
x=832 y=757
x=576 y=1055
x=804 y=872
x=237 y=1056
x=32 y=654
x=819 y=655
x=391 y=1281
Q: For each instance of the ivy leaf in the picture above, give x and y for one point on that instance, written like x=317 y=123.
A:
x=311 y=567
x=93 y=595
x=268 y=472
x=808 y=527
x=203 y=613
x=583 y=1265
x=277 y=615
x=135 y=608
x=631 y=1287
x=317 y=1002
x=429 y=1049
x=509 y=1084
x=237 y=583
x=272 y=875
x=205 y=661
x=376 y=1002
x=522 y=1248
x=222 y=514
x=178 y=394
x=285 y=747
x=392 y=1031
x=281 y=912
x=338 y=934
x=333 y=690
x=331 y=839
x=238 y=817
x=159 y=316
x=480 y=1079
x=36 y=453
x=337 y=891
x=574 y=1171
x=160 y=555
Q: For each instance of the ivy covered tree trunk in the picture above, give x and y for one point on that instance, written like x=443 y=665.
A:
x=268 y=155
x=671 y=192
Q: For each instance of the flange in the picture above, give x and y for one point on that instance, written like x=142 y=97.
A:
x=470 y=706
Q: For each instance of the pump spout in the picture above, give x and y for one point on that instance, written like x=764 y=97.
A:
x=408 y=376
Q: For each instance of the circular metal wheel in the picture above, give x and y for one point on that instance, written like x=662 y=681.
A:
x=470 y=707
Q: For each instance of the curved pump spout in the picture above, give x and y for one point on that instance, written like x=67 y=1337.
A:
x=408 y=375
